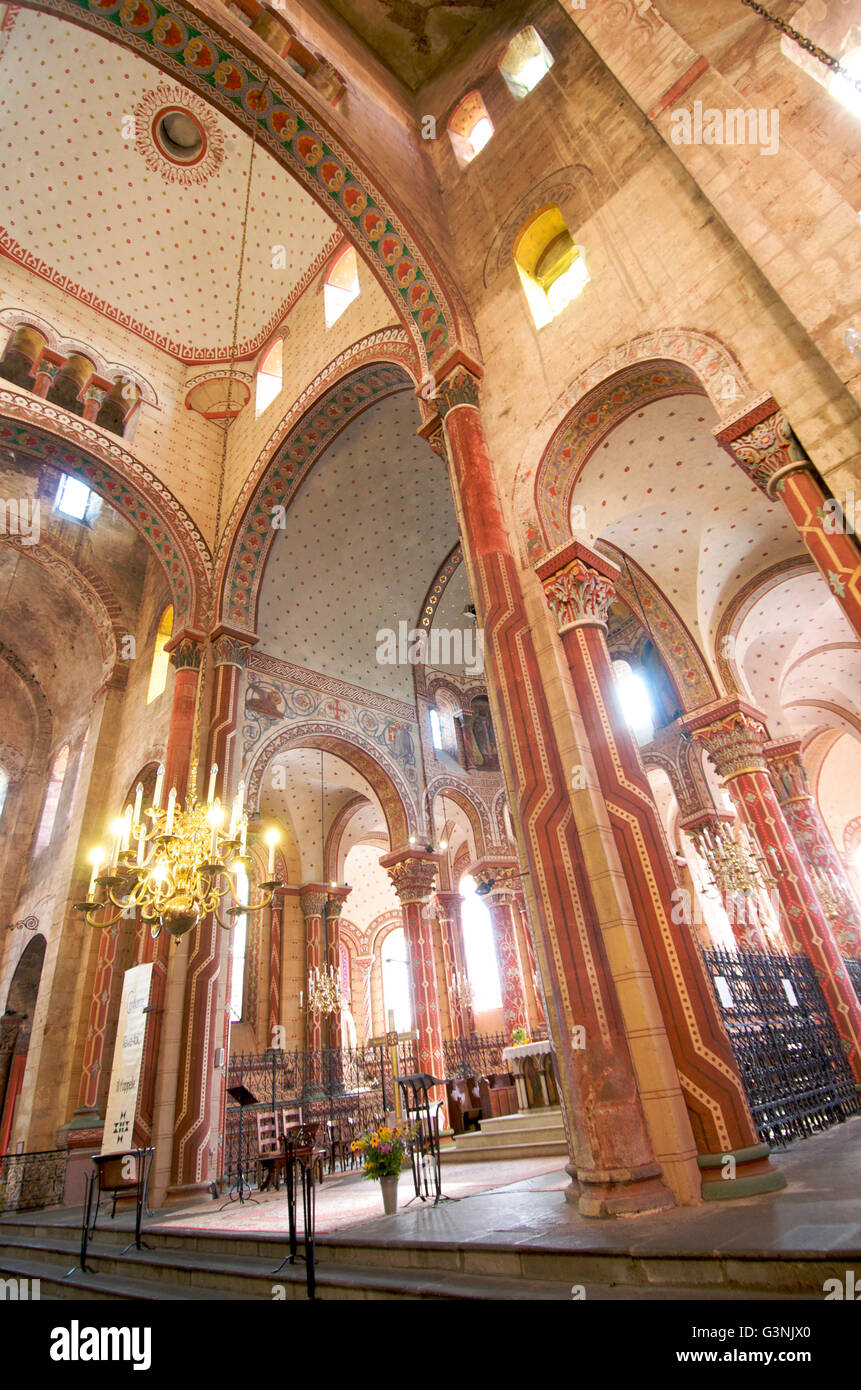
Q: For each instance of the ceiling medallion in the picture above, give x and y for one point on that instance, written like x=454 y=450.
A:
x=178 y=136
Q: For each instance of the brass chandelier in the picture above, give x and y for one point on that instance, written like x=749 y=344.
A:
x=733 y=866
x=176 y=865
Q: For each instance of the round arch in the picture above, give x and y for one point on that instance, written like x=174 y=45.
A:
x=381 y=774
x=477 y=814
x=230 y=71
x=40 y=430
x=650 y=367
x=301 y=441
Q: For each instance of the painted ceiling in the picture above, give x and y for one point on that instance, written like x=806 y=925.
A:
x=416 y=39
x=661 y=489
x=800 y=658
x=298 y=804
x=90 y=203
x=450 y=616
x=365 y=536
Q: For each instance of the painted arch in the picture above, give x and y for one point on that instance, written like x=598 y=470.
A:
x=261 y=95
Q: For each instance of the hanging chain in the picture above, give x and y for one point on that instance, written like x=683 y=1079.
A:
x=807 y=44
x=222 y=473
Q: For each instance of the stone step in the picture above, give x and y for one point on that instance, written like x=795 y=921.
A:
x=498 y=1153
x=548 y=1117
x=352 y=1266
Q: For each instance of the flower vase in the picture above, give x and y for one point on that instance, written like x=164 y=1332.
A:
x=390 y=1193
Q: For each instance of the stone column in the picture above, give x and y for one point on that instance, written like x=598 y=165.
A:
x=534 y=1001
x=451 y=933
x=500 y=904
x=275 y=962
x=312 y=896
x=413 y=872
x=579 y=587
x=613 y=1166
x=760 y=440
x=335 y=899
x=46 y=369
x=93 y=396
x=366 y=966
x=789 y=777
x=186 y=656
x=191 y=1167
x=733 y=734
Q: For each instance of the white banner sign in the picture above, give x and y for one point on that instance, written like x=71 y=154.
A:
x=128 y=1056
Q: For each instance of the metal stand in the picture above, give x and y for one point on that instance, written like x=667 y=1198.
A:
x=424 y=1148
x=301 y=1153
x=240 y=1185
x=89 y=1185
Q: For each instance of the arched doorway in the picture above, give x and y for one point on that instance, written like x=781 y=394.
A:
x=15 y=1027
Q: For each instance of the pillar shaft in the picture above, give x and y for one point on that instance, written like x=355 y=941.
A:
x=311 y=899
x=614 y=1167
x=451 y=933
x=275 y=962
x=579 y=587
x=760 y=440
x=733 y=735
x=534 y=1001
x=789 y=776
x=413 y=874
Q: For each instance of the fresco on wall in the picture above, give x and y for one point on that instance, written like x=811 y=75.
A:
x=479 y=737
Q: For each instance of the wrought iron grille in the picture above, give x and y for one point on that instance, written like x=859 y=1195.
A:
x=478 y=1055
x=853 y=970
x=793 y=1068
x=31 y=1181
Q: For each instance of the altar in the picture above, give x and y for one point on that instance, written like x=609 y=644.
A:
x=534 y=1074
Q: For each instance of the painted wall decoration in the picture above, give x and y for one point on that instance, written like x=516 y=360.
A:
x=278 y=694
x=479 y=738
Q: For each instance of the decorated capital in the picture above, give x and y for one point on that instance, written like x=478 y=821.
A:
x=186 y=650
x=459 y=388
x=733 y=734
x=760 y=439
x=578 y=585
x=230 y=645
x=412 y=873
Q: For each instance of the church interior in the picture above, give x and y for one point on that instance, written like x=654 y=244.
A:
x=535 y=326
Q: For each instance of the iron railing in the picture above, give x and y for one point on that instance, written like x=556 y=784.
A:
x=478 y=1055
x=853 y=970
x=31 y=1181
x=792 y=1065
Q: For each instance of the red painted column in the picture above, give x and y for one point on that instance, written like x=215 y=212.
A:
x=733 y=735
x=93 y=396
x=815 y=845
x=613 y=1165
x=534 y=1002
x=413 y=872
x=275 y=962
x=45 y=370
x=192 y=1169
x=311 y=899
x=579 y=587
x=500 y=905
x=186 y=656
x=451 y=931
x=760 y=440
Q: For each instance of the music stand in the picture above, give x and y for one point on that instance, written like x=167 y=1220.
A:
x=243 y=1098
x=424 y=1148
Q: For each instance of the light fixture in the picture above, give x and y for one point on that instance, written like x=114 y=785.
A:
x=735 y=867
x=171 y=863
x=461 y=991
x=324 y=986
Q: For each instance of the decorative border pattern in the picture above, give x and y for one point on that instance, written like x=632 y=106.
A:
x=212 y=156
x=303 y=445
x=42 y=430
x=328 y=685
x=182 y=42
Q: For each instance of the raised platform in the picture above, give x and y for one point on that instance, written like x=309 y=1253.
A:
x=518 y=1241
x=527 y=1134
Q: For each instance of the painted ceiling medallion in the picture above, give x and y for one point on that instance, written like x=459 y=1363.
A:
x=177 y=136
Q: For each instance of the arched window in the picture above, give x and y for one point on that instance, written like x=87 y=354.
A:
x=4 y=787
x=469 y=128
x=635 y=702
x=160 y=658
x=238 y=949
x=52 y=799
x=341 y=285
x=396 y=980
x=436 y=730
x=270 y=376
x=480 y=948
x=526 y=60
x=75 y=500
x=552 y=269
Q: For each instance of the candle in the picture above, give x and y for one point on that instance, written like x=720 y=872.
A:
x=159 y=787
x=117 y=832
x=301 y=998
x=243 y=831
x=213 y=773
x=234 y=818
x=127 y=828
x=171 y=804
x=136 y=818
x=141 y=845
x=213 y=845
x=240 y=796
x=96 y=860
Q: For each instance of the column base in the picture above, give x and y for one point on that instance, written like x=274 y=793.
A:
x=186 y=1193
x=750 y=1174
x=618 y=1192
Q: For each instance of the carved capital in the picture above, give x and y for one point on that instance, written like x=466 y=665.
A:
x=230 y=645
x=335 y=899
x=787 y=769
x=460 y=388
x=311 y=899
x=733 y=735
x=186 y=650
x=413 y=874
x=578 y=585
x=432 y=430
x=761 y=441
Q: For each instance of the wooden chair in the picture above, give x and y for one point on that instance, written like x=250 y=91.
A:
x=464 y=1104
x=270 y=1153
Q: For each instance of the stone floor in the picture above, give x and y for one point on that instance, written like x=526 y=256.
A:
x=503 y=1204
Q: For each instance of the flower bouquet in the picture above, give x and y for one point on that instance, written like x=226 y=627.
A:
x=383 y=1152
